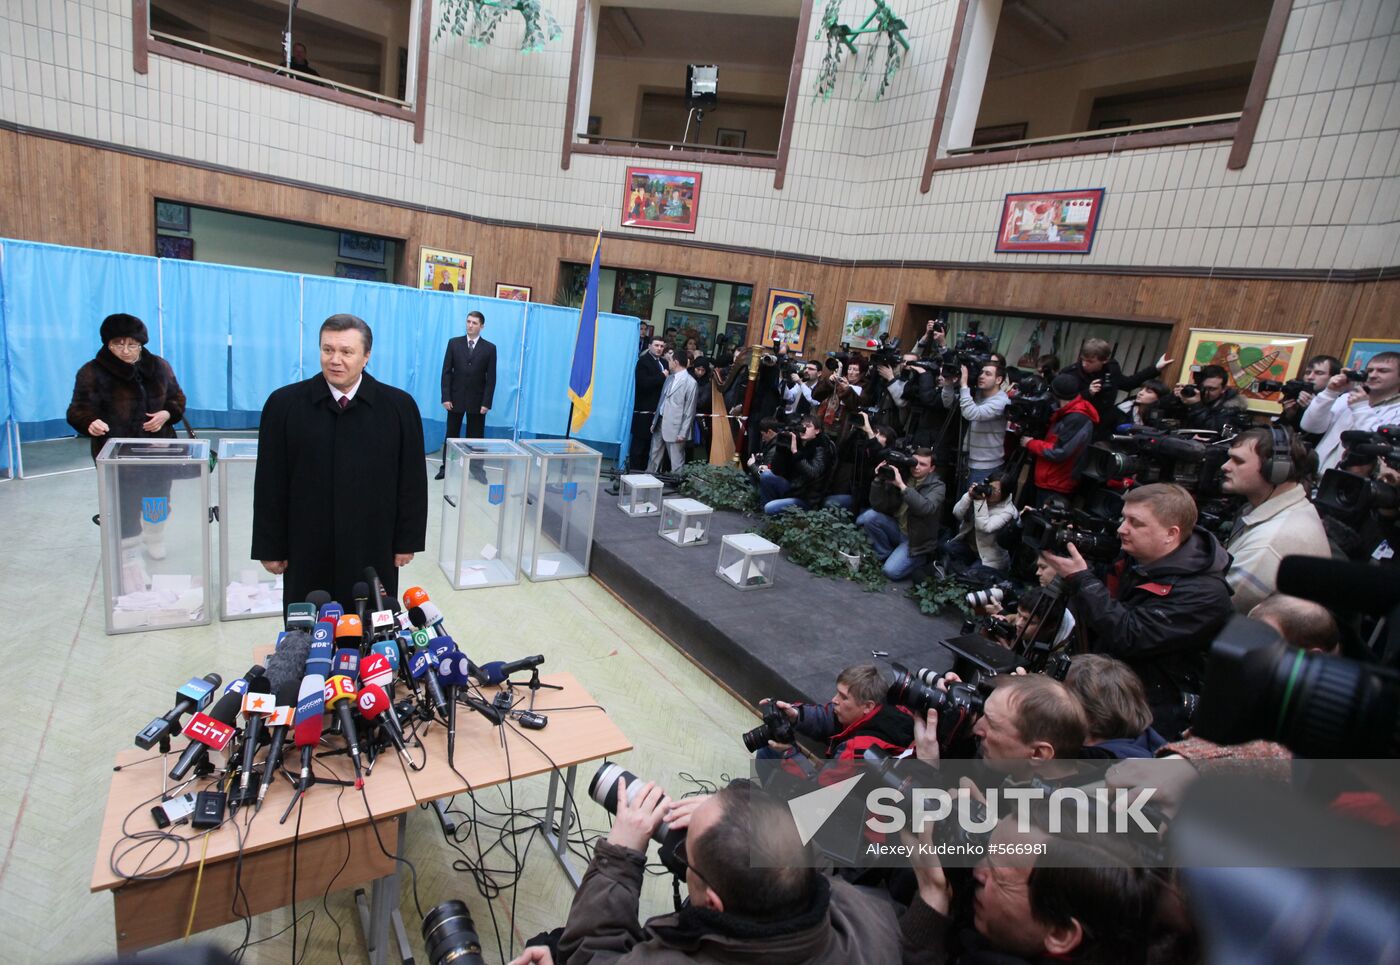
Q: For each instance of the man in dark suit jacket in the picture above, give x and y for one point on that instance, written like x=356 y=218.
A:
x=651 y=375
x=340 y=481
x=468 y=383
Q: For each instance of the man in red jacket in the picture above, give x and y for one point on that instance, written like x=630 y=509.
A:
x=1059 y=456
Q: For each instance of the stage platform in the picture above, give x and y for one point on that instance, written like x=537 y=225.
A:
x=789 y=640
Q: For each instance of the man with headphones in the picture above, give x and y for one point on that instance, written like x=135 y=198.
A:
x=1267 y=466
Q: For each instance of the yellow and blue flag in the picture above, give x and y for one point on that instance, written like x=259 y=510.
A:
x=586 y=346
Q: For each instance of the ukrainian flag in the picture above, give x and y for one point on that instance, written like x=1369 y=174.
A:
x=586 y=346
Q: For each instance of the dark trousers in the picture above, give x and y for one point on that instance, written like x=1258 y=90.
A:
x=476 y=426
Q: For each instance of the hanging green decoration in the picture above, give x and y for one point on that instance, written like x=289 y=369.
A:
x=841 y=38
x=477 y=20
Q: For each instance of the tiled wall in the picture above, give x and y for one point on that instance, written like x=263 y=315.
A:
x=1321 y=190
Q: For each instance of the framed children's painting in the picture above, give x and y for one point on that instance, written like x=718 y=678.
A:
x=1050 y=221
x=516 y=293
x=783 y=317
x=1248 y=358
x=444 y=271
x=656 y=198
x=1360 y=350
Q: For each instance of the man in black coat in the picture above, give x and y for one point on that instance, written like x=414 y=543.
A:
x=341 y=482
x=651 y=376
x=1101 y=379
x=468 y=383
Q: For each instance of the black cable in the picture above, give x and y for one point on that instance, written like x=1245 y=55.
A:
x=325 y=897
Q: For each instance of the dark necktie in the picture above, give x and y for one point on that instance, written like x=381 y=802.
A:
x=344 y=401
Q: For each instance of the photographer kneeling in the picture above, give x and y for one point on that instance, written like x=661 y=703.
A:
x=902 y=521
x=857 y=718
x=802 y=463
x=1168 y=602
x=982 y=512
x=753 y=893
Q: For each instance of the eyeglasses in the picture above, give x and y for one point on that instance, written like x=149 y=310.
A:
x=124 y=345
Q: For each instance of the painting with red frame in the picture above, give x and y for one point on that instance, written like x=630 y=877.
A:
x=1053 y=221
x=656 y=198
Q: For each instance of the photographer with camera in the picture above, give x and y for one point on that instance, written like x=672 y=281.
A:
x=1098 y=379
x=982 y=512
x=837 y=395
x=985 y=439
x=753 y=892
x=856 y=718
x=1115 y=707
x=857 y=456
x=1207 y=404
x=1333 y=412
x=1268 y=467
x=1316 y=374
x=1146 y=407
x=1059 y=456
x=903 y=519
x=803 y=460
x=1164 y=602
x=799 y=378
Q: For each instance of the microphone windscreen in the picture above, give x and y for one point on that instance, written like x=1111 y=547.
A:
x=330 y=611
x=360 y=591
x=347 y=662
x=414 y=596
x=416 y=617
x=491 y=673
x=431 y=614
x=376 y=669
x=311 y=707
x=289 y=661
x=318 y=598
x=287 y=692
x=418 y=666
x=373 y=701
x=349 y=625
x=1338 y=585
x=318 y=661
x=389 y=651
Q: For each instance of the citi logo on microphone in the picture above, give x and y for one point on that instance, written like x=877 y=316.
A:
x=214 y=734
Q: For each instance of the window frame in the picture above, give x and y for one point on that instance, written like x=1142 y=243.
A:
x=1240 y=132
x=778 y=164
x=143 y=45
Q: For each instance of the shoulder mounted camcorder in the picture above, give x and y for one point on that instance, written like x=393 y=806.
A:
x=1051 y=530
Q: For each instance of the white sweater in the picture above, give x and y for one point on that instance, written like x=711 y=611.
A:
x=983 y=522
x=1330 y=415
x=1283 y=525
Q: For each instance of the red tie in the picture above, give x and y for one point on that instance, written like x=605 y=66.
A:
x=344 y=401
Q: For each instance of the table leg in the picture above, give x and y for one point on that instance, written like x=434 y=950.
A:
x=380 y=912
x=559 y=843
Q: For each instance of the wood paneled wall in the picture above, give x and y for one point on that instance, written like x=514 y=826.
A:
x=76 y=194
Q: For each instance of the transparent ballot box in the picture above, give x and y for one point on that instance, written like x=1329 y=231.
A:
x=639 y=494
x=563 y=495
x=247 y=589
x=483 y=512
x=154 y=500
x=747 y=561
x=685 y=522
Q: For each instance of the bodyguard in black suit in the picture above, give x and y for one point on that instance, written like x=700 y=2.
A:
x=651 y=376
x=340 y=482
x=468 y=383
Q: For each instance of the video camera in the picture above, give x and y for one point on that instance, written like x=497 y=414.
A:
x=885 y=351
x=1150 y=455
x=1030 y=411
x=1383 y=442
x=1352 y=498
x=894 y=459
x=1051 y=530
x=1289 y=390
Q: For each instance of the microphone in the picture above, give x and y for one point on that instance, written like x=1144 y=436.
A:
x=349 y=631
x=205 y=731
x=258 y=702
x=347 y=663
x=360 y=597
x=318 y=598
x=1340 y=586
x=301 y=616
x=381 y=624
x=452 y=673
x=423 y=665
x=330 y=611
x=280 y=720
x=191 y=698
x=240 y=686
x=427 y=614
x=376 y=589
x=401 y=619
x=318 y=660
x=373 y=702
x=414 y=596
x=340 y=695
x=376 y=669
x=496 y=671
x=307 y=723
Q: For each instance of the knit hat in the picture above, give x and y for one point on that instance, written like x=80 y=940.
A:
x=122 y=325
x=1064 y=386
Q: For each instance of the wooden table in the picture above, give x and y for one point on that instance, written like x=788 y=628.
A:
x=151 y=912
x=571 y=737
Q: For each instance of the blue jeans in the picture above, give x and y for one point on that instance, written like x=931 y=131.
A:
x=902 y=563
x=775 y=506
x=772 y=487
x=841 y=501
x=883 y=532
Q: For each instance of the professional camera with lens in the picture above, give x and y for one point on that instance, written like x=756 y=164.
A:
x=995 y=628
x=980 y=490
x=1030 y=411
x=918 y=693
x=1383 y=443
x=895 y=459
x=1316 y=705
x=1288 y=390
x=449 y=935
x=603 y=790
x=775 y=727
x=1051 y=530
x=784 y=440
x=1150 y=455
x=1351 y=498
x=1002 y=594
x=904 y=776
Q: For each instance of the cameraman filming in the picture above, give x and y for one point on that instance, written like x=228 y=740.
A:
x=803 y=460
x=1208 y=405
x=1279 y=521
x=986 y=419
x=1169 y=598
x=903 y=518
x=1317 y=373
x=1099 y=379
x=1333 y=413
x=753 y=893
x=1060 y=454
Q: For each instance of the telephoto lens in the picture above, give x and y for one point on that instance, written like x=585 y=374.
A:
x=603 y=790
x=449 y=935
x=979 y=598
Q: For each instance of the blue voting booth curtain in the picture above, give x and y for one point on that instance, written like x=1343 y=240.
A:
x=233 y=335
